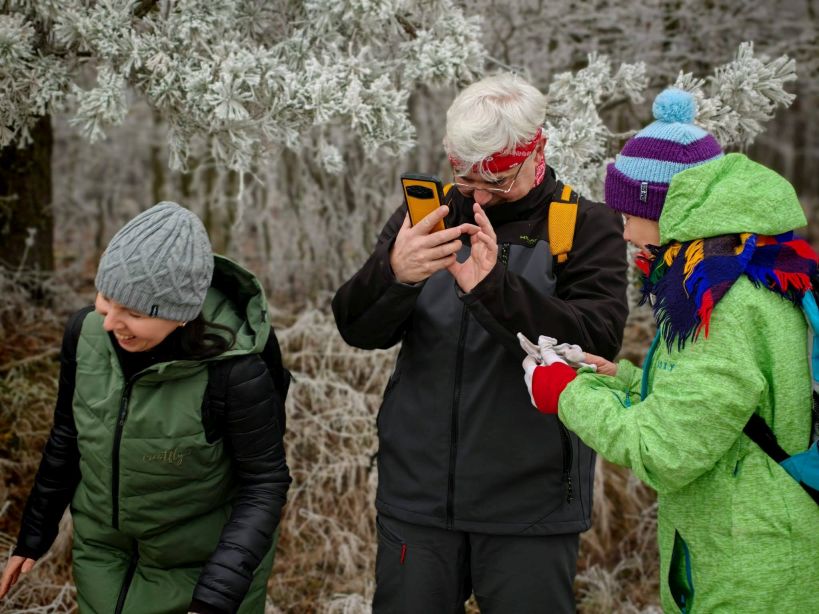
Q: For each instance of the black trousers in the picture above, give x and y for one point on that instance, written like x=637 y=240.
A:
x=424 y=570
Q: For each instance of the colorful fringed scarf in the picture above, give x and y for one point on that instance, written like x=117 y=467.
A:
x=687 y=280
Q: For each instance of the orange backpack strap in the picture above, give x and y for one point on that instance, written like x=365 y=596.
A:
x=562 y=218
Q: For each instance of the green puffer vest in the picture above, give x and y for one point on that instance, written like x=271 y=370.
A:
x=154 y=494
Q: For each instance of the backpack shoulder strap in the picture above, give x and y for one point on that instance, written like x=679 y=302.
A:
x=215 y=401
x=760 y=433
x=562 y=219
x=272 y=356
x=811 y=312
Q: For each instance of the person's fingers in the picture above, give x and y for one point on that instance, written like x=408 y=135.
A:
x=10 y=574
x=446 y=249
x=439 y=264
x=529 y=364
x=440 y=237
x=490 y=241
x=594 y=359
x=454 y=267
x=487 y=241
x=468 y=229
x=28 y=565
x=425 y=226
x=604 y=367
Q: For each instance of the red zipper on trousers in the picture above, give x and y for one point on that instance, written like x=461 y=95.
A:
x=403 y=553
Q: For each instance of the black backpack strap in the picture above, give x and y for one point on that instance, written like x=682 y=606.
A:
x=214 y=404
x=760 y=433
x=272 y=355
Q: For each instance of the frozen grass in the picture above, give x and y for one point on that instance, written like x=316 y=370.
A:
x=326 y=553
x=28 y=382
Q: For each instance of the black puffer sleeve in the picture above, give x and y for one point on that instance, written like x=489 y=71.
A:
x=59 y=472
x=254 y=441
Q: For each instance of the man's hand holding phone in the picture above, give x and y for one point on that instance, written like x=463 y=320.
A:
x=418 y=252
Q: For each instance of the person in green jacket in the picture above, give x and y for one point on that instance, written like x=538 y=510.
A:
x=724 y=275
x=176 y=483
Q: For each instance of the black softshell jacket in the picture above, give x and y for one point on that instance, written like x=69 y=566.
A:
x=460 y=444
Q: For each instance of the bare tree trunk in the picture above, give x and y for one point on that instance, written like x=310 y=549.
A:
x=26 y=217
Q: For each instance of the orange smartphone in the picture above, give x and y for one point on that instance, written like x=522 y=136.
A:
x=423 y=194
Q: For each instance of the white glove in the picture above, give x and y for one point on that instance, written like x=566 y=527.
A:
x=547 y=351
x=529 y=366
x=542 y=352
x=530 y=348
x=548 y=355
x=574 y=355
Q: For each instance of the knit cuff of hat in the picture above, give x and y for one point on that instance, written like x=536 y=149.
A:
x=632 y=197
x=131 y=296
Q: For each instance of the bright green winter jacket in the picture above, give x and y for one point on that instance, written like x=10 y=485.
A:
x=736 y=532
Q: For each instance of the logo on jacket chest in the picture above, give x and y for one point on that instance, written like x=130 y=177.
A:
x=174 y=456
x=665 y=365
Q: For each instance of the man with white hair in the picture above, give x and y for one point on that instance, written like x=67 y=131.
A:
x=477 y=490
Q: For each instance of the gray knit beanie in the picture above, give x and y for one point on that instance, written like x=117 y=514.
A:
x=160 y=264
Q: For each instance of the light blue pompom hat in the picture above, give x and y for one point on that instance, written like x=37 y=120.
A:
x=637 y=182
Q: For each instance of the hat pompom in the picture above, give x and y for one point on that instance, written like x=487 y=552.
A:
x=675 y=106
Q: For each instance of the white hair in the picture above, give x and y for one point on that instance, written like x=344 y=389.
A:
x=497 y=113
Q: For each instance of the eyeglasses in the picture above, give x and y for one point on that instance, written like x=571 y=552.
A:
x=467 y=188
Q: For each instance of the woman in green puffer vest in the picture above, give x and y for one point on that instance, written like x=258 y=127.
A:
x=724 y=275
x=175 y=501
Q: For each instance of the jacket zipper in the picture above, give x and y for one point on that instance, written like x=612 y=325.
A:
x=453 y=430
x=123 y=414
x=126 y=582
x=566 y=442
x=503 y=254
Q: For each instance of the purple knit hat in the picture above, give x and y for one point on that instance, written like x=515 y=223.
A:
x=637 y=182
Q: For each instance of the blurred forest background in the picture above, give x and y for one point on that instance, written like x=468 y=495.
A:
x=285 y=126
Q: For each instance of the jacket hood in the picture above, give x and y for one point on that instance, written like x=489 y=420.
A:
x=728 y=196
x=236 y=299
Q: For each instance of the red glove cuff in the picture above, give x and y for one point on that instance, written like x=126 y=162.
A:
x=548 y=383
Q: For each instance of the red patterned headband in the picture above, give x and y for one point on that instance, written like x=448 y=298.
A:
x=502 y=160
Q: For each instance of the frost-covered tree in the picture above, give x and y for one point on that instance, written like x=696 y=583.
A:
x=736 y=100
x=547 y=38
x=734 y=103
x=235 y=82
